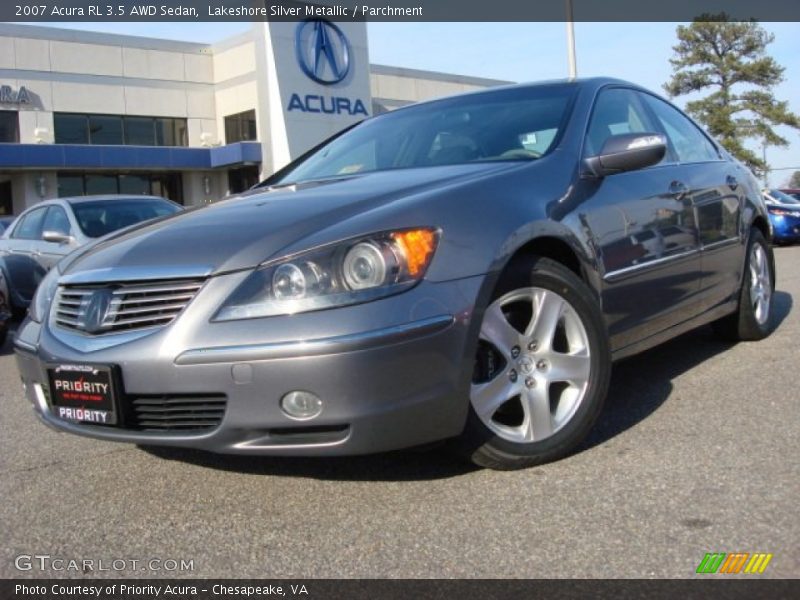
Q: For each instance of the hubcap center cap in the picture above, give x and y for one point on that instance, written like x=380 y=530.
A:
x=526 y=363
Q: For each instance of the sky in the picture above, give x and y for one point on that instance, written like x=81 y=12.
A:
x=637 y=52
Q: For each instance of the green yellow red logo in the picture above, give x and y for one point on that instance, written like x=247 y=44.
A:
x=734 y=562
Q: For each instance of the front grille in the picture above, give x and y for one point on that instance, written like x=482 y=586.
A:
x=107 y=308
x=166 y=414
x=176 y=413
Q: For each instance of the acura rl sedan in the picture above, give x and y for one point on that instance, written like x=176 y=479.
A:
x=466 y=269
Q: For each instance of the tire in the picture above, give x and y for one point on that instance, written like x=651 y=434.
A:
x=529 y=403
x=753 y=317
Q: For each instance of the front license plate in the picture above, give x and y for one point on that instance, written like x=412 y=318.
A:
x=83 y=393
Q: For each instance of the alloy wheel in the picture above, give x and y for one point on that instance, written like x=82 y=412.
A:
x=760 y=283
x=533 y=365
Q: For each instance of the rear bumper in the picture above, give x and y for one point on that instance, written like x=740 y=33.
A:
x=387 y=388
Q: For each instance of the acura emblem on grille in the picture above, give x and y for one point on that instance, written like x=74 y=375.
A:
x=128 y=306
x=95 y=308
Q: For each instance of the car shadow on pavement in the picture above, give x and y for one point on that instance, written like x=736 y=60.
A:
x=408 y=465
x=642 y=383
x=639 y=386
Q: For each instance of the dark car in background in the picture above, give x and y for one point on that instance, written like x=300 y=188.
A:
x=465 y=268
x=784 y=214
x=45 y=233
x=5 y=309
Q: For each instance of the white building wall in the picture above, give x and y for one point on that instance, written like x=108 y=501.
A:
x=73 y=71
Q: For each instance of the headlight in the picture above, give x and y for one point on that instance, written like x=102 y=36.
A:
x=336 y=275
x=43 y=298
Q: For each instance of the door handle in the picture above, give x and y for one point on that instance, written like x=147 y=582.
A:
x=678 y=189
x=732 y=182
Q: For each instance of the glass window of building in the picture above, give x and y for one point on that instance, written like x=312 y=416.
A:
x=9 y=127
x=241 y=127
x=117 y=130
x=70 y=128
x=138 y=185
x=105 y=130
x=168 y=184
x=139 y=131
x=242 y=179
x=6 y=200
x=70 y=185
x=171 y=132
x=101 y=184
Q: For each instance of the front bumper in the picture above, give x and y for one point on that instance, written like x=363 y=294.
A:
x=785 y=228
x=392 y=373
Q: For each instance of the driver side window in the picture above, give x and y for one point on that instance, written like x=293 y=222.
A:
x=616 y=111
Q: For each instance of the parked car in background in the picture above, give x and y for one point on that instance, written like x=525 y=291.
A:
x=793 y=192
x=48 y=231
x=5 y=309
x=445 y=270
x=5 y=223
x=784 y=214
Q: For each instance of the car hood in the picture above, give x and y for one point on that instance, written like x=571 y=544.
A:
x=243 y=232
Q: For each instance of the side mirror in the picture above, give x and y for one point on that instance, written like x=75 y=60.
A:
x=57 y=237
x=627 y=152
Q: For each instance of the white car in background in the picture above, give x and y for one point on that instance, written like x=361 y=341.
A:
x=45 y=233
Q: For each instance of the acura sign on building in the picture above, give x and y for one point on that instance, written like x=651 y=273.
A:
x=317 y=80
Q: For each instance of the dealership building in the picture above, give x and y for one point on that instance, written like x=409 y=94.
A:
x=95 y=113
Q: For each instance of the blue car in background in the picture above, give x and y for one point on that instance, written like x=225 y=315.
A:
x=784 y=214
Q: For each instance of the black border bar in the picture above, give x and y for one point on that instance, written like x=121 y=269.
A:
x=53 y=11
x=700 y=588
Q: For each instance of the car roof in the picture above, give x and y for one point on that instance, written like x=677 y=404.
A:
x=591 y=83
x=102 y=197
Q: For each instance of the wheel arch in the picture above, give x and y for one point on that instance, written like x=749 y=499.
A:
x=560 y=245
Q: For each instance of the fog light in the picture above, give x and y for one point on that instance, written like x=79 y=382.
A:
x=301 y=405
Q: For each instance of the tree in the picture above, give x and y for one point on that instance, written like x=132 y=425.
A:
x=729 y=60
x=794 y=181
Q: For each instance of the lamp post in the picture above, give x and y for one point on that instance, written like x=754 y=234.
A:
x=573 y=67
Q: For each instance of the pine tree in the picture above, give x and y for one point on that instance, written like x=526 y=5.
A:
x=728 y=61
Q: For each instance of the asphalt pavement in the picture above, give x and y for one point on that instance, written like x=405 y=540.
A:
x=697 y=451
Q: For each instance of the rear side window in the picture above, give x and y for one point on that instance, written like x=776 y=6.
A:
x=30 y=227
x=688 y=143
x=97 y=218
x=615 y=112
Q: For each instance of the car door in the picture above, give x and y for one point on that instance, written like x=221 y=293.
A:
x=716 y=196
x=23 y=271
x=643 y=227
x=56 y=221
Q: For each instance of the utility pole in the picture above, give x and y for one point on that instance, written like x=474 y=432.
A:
x=573 y=67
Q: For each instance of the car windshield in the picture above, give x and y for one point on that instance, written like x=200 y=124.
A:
x=507 y=124
x=100 y=217
x=783 y=198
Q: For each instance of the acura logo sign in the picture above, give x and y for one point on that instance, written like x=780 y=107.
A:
x=323 y=51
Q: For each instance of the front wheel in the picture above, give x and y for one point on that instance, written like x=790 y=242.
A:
x=541 y=371
x=753 y=318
